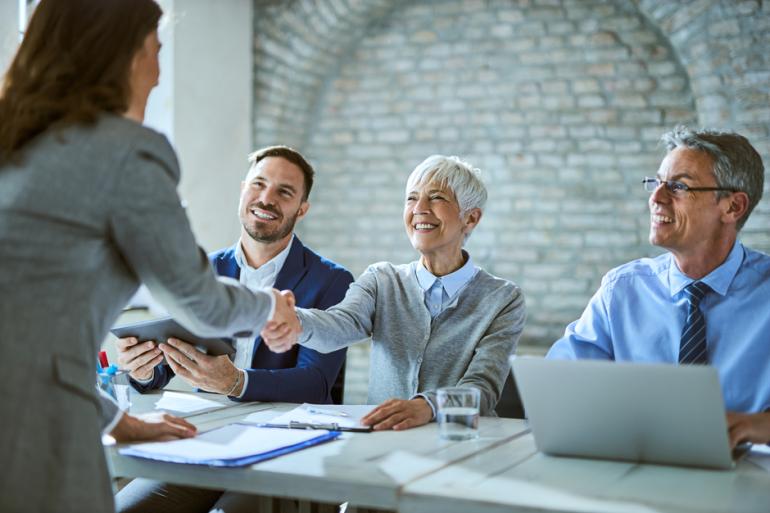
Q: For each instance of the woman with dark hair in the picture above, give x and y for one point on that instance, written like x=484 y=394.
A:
x=88 y=210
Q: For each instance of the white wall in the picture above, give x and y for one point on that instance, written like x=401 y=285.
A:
x=203 y=104
x=9 y=32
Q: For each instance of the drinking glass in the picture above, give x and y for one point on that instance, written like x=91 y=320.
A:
x=458 y=413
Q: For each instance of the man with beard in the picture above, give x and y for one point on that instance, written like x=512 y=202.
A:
x=274 y=196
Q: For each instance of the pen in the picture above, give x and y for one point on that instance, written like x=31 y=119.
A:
x=103 y=359
x=324 y=411
x=304 y=425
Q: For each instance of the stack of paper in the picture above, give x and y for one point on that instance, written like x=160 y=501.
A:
x=342 y=416
x=185 y=402
x=233 y=445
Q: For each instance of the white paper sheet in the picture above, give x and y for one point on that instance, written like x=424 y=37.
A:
x=760 y=456
x=185 y=403
x=228 y=442
x=352 y=415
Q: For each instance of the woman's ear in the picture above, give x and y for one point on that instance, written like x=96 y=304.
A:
x=472 y=218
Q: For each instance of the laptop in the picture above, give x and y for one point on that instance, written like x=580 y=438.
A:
x=640 y=412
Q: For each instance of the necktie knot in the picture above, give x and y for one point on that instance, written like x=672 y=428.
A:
x=695 y=292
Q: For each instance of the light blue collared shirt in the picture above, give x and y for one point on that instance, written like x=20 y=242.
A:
x=640 y=309
x=442 y=292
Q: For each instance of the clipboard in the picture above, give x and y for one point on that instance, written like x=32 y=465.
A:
x=333 y=417
x=160 y=330
x=233 y=445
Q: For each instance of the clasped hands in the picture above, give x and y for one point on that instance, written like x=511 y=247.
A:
x=281 y=334
x=283 y=329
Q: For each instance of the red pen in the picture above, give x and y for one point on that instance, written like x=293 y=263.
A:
x=103 y=359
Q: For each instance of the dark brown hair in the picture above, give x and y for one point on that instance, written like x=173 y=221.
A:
x=73 y=64
x=292 y=156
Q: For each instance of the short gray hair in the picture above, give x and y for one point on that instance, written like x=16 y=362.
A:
x=460 y=177
x=737 y=165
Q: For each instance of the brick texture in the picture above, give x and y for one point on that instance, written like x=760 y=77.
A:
x=561 y=104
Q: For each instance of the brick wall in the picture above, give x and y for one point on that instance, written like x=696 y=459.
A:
x=560 y=103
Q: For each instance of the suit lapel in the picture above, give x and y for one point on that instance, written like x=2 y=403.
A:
x=226 y=265
x=294 y=267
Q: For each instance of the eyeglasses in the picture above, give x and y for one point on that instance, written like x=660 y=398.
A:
x=678 y=188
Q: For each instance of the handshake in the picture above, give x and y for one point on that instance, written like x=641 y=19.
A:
x=282 y=331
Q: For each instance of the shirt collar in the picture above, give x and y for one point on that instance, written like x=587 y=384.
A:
x=719 y=279
x=275 y=263
x=452 y=282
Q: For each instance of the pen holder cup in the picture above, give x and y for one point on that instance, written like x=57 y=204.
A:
x=115 y=383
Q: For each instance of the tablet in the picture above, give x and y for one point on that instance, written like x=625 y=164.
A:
x=160 y=330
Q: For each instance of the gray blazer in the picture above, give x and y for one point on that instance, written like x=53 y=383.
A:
x=88 y=214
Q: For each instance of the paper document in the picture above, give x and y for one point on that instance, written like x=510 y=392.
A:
x=344 y=415
x=231 y=445
x=185 y=402
x=760 y=456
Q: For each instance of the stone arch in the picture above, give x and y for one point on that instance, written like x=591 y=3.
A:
x=723 y=46
x=566 y=151
x=298 y=45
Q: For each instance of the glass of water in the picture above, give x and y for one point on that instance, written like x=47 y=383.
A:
x=458 y=413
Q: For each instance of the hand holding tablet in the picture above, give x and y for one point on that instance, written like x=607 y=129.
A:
x=160 y=330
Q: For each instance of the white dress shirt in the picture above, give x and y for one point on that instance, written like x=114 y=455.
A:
x=260 y=278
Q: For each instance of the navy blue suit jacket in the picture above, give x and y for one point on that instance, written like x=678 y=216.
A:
x=301 y=374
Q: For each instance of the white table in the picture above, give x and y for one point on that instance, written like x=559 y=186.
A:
x=515 y=477
x=413 y=472
x=364 y=469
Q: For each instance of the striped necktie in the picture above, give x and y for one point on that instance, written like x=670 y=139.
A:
x=692 y=349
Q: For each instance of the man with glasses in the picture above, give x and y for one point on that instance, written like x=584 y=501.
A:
x=705 y=301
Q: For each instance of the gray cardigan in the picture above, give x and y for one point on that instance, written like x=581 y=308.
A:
x=467 y=344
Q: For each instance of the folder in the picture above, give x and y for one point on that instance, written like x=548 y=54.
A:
x=234 y=445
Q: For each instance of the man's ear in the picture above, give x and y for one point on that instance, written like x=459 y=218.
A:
x=303 y=208
x=737 y=206
x=472 y=218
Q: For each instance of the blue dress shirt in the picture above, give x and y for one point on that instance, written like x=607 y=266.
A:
x=441 y=292
x=640 y=308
